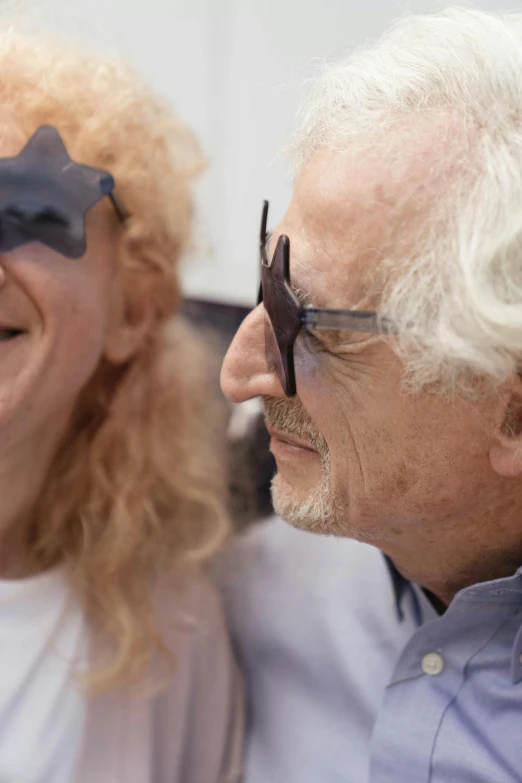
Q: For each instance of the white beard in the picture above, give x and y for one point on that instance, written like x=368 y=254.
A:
x=314 y=512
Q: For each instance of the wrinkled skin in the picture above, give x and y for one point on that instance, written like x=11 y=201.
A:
x=434 y=482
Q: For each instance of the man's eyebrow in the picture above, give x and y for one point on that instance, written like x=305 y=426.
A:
x=305 y=298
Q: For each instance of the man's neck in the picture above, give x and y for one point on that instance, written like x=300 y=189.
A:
x=459 y=554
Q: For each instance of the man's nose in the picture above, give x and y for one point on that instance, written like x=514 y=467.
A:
x=245 y=373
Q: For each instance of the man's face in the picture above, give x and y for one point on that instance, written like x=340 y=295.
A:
x=54 y=322
x=356 y=455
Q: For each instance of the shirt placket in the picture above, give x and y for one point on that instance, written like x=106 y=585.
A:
x=428 y=676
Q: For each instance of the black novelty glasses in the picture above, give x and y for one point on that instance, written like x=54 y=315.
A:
x=285 y=316
x=44 y=196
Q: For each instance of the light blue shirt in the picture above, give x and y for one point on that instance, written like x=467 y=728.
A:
x=353 y=677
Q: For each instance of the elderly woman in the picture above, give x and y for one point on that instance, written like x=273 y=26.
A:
x=116 y=664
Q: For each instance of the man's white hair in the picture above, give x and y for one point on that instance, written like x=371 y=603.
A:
x=458 y=301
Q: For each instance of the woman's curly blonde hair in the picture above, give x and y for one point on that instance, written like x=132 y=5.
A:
x=137 y=486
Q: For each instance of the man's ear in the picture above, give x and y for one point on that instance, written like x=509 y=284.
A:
x=505 y=454
x=131 y=320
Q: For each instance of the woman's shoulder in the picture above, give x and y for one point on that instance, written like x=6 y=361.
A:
x=186 y=725
x=193 y=627
x=187 y=603
x=204 y=699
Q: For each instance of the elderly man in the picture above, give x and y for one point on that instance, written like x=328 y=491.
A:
x=387 y=350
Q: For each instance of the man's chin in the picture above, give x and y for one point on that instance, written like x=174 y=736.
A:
x=307 y=510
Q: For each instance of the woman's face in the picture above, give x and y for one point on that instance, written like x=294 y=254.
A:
x=57 y=321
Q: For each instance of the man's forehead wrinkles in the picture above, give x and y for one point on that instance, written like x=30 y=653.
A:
x=307 y=256
x=325 y=246
x=315 y=269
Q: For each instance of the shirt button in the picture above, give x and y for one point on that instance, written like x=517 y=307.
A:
x=432 y=664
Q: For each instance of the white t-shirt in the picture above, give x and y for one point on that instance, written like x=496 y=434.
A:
x=42 y=709
x=51 y=732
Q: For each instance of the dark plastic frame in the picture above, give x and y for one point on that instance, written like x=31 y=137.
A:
x=292 y=316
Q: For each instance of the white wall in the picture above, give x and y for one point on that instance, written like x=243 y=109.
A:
x=234 y=69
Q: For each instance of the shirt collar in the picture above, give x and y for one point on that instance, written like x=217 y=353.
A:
x=516 y=660
x=399 y=586
x=501 y=591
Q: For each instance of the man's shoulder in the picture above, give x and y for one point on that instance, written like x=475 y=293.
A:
x=273 y=559
x=273 y=544
x=315 y=627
